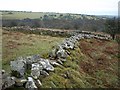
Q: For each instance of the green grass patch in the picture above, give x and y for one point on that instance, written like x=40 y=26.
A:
x=16 y=44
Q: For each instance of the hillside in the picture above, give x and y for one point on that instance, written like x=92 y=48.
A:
x=57 y=50
x=93 y=63
x=36 y=15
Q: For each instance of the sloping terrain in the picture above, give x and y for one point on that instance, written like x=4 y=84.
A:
x=16 y=44
x=93 y=64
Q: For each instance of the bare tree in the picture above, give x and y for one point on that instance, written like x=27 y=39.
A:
x=112 y=26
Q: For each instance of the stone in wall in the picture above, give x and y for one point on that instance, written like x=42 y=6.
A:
x=7 y=82
x=61 y=53
x=39 y=66
x=30 y=84
x=46 y=64
x=18 y=67
x=20 y=82
x=35 y=70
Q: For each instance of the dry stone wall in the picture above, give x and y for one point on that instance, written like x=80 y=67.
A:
x=25 y=71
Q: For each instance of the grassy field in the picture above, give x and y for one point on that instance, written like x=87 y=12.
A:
x=17 y=44
x=9 y=15
x=22 y=15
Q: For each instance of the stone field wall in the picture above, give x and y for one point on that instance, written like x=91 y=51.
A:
x=25 y=71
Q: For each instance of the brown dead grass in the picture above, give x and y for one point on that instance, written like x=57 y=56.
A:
x=101 y=57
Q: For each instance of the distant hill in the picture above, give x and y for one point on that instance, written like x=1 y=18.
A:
x=53 y=20
x=36 y=15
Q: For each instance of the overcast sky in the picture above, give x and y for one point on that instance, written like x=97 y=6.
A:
x=92 y=7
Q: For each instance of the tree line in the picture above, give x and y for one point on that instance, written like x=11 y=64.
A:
x=58 y=23
x=109 y=25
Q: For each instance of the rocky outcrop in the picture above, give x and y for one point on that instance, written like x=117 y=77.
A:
x=29 y=69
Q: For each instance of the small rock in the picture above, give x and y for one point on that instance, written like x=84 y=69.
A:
x=46 y=64
x=63 y=60
x=59 y=61
x=61 y=53
x=35 y=70
x=8 y=82
x=54 y=63
x=20 y=81
x=3 y=71
x=32 y=59
x=44 y=73
x=38 y=83
x=30 y=84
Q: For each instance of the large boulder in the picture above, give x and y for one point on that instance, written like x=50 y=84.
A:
x=18 y=67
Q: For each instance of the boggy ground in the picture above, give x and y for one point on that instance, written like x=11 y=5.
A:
x=93 y=64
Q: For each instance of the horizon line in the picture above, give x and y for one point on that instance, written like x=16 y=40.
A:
x=61 y=12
